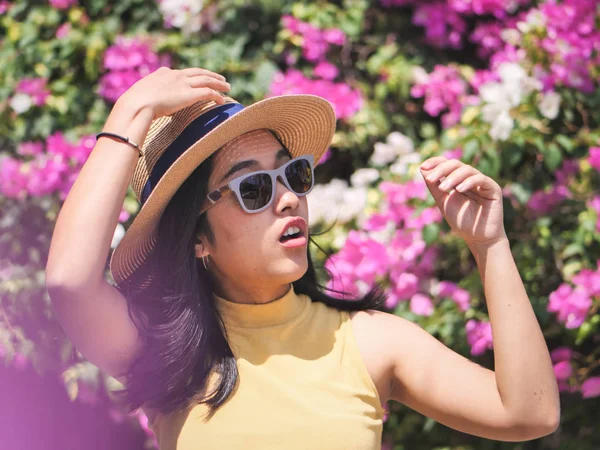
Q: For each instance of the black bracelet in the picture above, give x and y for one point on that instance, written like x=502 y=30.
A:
x=122 y=138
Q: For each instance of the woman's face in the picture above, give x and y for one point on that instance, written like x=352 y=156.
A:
x=248 y=255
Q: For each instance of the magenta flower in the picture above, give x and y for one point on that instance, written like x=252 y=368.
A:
x=589 y=280
x=421 y=305
x=326 y=70
x=358 y=264
x=571 y=305
x=127 y=61
x=594 y=204
x=451 y=290
x=543 y=202
x=563 y=370
x=30 y=148
x=443 y=90
x=479 y=336
x=13 y=178
x=443 y=27
x=63 y=31
x=345 y=100
x=62 y=4
x=35 y=88
x=561 y=354
x=316 y=42
x=591 y=387
x=594 y=158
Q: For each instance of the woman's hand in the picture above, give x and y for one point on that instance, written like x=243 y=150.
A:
x=166 y=91
x=470 y=201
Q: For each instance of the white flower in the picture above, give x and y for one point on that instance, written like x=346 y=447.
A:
x=419 y=75
x=549 y=105
x=511 y=36
x=396 y=144
x=364 y=177
x=402 y=143
x=502 y=127
x=182 y=13
x=118 y=235
x=335 y=202
x=21 y=102
x=401 y=165
x=383 y=154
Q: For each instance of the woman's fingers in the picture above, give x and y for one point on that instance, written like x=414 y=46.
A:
x=195 y=71
x=210 y=82
x=457 y=176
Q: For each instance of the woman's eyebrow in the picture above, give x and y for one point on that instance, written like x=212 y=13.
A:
x=282 y=153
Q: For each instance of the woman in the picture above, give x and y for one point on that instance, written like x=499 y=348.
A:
x=217 y=326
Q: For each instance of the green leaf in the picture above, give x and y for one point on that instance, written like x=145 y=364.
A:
x=470 y=149
x=565 y=142
x=552 y=157
x=431 y=233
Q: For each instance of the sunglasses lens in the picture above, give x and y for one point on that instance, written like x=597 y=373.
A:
x=256 y=191
x=299 y=175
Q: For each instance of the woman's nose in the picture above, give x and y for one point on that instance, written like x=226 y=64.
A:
x=284 y=197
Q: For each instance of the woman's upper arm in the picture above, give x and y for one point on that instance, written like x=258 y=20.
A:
x=96 y=320
x=443 y=385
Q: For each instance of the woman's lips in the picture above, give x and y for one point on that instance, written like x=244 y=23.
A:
x=300 y=241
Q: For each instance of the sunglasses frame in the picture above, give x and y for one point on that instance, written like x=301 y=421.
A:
x=234 y=185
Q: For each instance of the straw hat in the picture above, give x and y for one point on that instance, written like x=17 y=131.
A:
x=177 y=144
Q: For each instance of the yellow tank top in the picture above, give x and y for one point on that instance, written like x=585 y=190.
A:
x=302 y=384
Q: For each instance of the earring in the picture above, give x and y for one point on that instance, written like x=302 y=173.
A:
x=204 y=261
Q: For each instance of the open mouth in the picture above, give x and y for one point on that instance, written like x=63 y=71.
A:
x=289 y=237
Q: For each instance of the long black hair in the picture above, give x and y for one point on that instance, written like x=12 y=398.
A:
x=170 y=299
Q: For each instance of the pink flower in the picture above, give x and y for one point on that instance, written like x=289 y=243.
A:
x=443 y=26
x=421 y=305
x=326 y=70
x=563 y=370
x=34 y=87
x=591 y=387
x=128 y=60
x=561 y=354
x=62 y=4
x=594 y=204
x=345 y=100
x=543 y=202
x=358 y=263
x=63 y=31
x=443 y=90
x=316 y=42
x=589 y=280
x=13 y=178
x=570 y=305
x=479 y=336
x=594 y=158
x=30 y=148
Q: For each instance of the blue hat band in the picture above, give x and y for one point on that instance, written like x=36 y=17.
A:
x=196 y=130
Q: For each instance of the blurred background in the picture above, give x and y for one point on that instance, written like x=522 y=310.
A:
x=508 y=86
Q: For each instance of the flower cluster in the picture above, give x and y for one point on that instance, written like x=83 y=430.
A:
x=571 y=304
x=544 y=201
x=444 y=90
x=127 y=61
x=479 y=336
x=345 y=100
x=29 y=92
x=315 y=42
x=190 y=16
x=47 y=168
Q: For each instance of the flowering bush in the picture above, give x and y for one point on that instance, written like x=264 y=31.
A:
x=508 y=86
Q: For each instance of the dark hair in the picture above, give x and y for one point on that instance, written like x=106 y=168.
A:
x=170 y=299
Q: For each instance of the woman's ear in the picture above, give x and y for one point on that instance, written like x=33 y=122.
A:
x=200 y=250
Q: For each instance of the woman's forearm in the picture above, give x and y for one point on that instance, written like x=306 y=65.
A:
x=87 y=220
x=523 y=368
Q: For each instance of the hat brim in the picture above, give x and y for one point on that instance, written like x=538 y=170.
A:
x=304 y=123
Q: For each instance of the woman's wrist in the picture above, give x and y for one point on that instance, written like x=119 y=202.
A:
x=129 y=119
